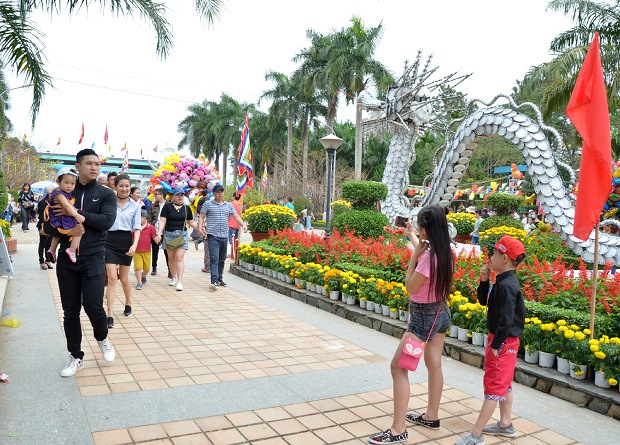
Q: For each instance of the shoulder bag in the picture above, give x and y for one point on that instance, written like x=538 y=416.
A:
x=413 y=350
x=179 y=240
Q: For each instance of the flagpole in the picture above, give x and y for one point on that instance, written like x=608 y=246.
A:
x=594 y=279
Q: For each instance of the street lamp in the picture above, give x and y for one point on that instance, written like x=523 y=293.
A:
x=331 y=142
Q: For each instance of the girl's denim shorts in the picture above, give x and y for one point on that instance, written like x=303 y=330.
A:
x=421 y=317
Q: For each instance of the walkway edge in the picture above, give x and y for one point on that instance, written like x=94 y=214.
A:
x=602 y=401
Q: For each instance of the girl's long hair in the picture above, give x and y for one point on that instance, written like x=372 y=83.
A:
x=432 y=218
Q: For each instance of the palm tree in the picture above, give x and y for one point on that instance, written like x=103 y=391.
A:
x=559 y=75
x=5 y=104
x=354 y=58
x=20 y=41
x=284 y=103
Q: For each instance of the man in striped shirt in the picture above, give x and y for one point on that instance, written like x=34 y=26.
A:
x=217 y=211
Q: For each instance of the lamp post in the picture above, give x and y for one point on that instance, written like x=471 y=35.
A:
x=331 y=142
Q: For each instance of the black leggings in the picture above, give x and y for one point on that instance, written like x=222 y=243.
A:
x=45 y=242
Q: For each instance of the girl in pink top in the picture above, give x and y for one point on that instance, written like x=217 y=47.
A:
x=428 y=282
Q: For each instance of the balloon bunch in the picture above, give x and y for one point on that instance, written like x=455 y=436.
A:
x=614 y=193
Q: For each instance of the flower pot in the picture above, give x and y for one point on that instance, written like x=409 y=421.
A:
x=531 y=357
x=582 y=375
x=288 y=279
x=350 y=300
x=242 y=263
x=259 y=236
x=403 y=316
x=486 y=340
x=477 y=339
x=363 y=303
x=308 y=284
x=546 y=359
x=378 y=308
x=11 y=245
x=312 y=288
x=463 y=239
x=270 y=273
x=297 y=281
x=385 y=309
x=563 y=366
x=453 y=332
x=323 y=291
x=266 y=271
x=463 y=335
x=343 y=296
x=600 y=380
x=334 y=295
x=318 y=289
x=258 y=268
x=394 y=313
x=370 y=306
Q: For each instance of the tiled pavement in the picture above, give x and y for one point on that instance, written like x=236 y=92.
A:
x=242 y=365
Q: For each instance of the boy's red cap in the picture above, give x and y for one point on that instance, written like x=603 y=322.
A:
x=510 y=246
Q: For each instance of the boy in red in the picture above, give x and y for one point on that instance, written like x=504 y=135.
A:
x=142 y=257
x=505 y=321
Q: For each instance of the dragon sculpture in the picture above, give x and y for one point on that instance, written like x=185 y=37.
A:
x=409 y=107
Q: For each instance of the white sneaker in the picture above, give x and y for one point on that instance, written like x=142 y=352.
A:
x=173 y=282
x=74 y=365
x=107 y=350
x=179 y=286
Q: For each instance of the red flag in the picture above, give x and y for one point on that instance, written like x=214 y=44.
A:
x=82 y=135
x=105 y=136
x=589 y=113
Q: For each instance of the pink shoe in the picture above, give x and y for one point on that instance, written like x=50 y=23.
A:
x=71 y=254
x=52 y=256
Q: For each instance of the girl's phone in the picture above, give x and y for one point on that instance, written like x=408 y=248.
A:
x=401 y=221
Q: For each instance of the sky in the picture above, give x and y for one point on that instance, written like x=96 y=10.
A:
x=106 y=72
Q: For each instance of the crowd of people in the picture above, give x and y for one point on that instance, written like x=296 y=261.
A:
x=92 y=227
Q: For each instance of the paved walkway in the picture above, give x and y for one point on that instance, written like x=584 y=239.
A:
x=242 y=365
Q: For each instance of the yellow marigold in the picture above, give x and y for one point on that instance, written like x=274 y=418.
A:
x=579 y=335
x=563 y=329
x=612 y=382
x=561 y=323
x=587 y=331
x=574 y=327
x=569 y=334
x=600 y=355
x=594 y=348
x=594 y=341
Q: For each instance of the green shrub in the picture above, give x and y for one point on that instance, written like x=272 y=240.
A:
x=367 y=272
x=301 y=203
x=504 y=203
x=603 y=324
x=364 y=194
x=365 y=223
x=340 y=206
x=497 y=221
x=4 y=199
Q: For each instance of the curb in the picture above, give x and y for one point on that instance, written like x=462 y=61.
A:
x=4 y=281
x=582 y=393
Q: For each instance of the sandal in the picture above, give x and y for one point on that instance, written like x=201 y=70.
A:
x=43 y=266
x=205 y=270
x=49 y=266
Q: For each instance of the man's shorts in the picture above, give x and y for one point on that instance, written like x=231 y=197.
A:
x=142 y=261
x=499 y=371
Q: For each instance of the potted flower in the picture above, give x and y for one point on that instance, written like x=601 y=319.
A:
x=577 y=352
x=464 y=224
x=605 y=360
x=547 y=344
x=530 y=339
x=477 y=323
x=266 y=218
x=334 y=283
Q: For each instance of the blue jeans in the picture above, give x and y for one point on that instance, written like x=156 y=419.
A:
x=217 y=252
x=232 y=232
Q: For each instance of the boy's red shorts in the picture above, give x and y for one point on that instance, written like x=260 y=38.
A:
x=499 y=371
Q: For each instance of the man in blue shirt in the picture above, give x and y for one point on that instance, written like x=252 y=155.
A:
x=217 y=211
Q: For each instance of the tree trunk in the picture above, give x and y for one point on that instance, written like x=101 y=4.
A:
x=224 y=165
x=358 y=140
x=332 y=108
x=304 y=168
x=289 y=148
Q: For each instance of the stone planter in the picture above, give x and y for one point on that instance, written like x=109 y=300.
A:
x=334 y=295
x=477 y=339
x=453 y=332
x=563 y=366
x=463 y=335
x=600 y=380
x=546 y=359
x=582 y=375
x=259 y=236
x=531 y=357
x=385 y=310
x=363 y=303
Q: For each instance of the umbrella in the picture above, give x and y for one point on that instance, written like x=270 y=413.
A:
x=39 y=187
